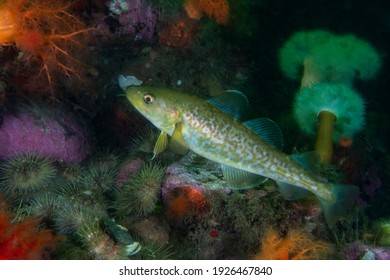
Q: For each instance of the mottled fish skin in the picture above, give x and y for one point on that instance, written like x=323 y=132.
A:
x=217 y=136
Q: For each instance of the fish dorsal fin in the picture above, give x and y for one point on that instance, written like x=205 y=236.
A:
x=161 y=144
x=178 y=145
x=232 y=102
x=268 y=130
x=239 y=179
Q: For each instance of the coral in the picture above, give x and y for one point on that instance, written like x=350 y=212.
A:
x=217 y=9
x=24 y=240
x=57 y=136
x=297 y=245
x=50 y=37
x=26 y=173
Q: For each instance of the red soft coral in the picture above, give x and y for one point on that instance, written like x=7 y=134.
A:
x=49 y=37
x=23 y=240
x=297 y=245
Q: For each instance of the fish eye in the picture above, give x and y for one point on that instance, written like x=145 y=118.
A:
x=148 y=98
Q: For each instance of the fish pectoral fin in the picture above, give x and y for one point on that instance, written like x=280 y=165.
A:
x=291 y=192
x=178 y=145
x=267 y=130
x=161 y=144
x=239 y=179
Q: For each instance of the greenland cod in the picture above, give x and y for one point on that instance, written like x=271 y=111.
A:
x=212 y=130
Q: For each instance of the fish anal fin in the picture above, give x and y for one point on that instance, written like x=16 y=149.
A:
x=291 y=192
x=239 y=179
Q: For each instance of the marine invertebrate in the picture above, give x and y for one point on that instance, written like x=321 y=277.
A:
x=45 y=205
x=99 y=178
x=185 y=202
x=74 y=216
x=137 y=19
x=338 y=109
x=330 y=64
x=57 y=136
x=219 y=10
x=50 y=37
x=26 y=173
x=297 y=245
x=80 y=193
x=139 y=195
x=100 y=245
x=328 y=58
x=24 y=240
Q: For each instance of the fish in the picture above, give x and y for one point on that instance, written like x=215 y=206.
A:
x=247 y=151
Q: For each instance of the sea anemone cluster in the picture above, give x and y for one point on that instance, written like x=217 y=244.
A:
x=77 y=202
x=330 y=64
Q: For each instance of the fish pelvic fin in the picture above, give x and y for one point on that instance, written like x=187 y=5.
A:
x=344 y=198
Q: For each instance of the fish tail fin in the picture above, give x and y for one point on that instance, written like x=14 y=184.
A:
x=344 y=198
